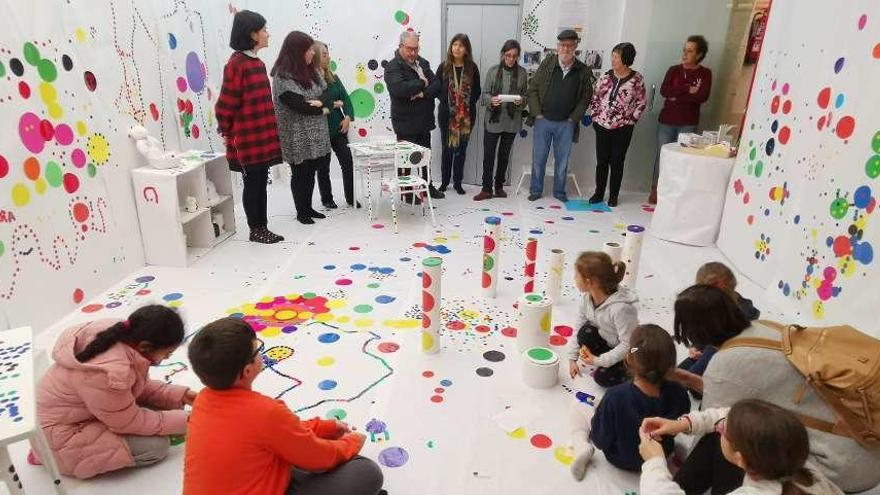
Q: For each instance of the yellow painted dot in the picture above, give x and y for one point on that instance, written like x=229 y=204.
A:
x=285 y=315
x=305 y=315
x=20 y=195
x=565 y=455
x=518 y=433
x=80 y=34
x=363 y=322
x=279 y=353
x=406 y=323
x=336 y=303
x=455 y=237
x=264 y=312
x=324 y=317
x=48 y=93
x=248 y=308
x=268 y=299
x=326 y=361
x=427 y=341
x=176 y=304
x=818 y=310
x=620 y=226
x=440 y=240
x=361 y=77
x=343 y=319
x=469 y=313
x=293 y=296
x=55 y=111
x=545 y=322
x=232 y=311
x=40 y=185
x=271 y=332
x=81 y=128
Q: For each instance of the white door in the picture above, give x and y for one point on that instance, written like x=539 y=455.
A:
x=488 y=27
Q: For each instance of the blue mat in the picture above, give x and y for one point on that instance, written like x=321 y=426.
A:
x=584 y=205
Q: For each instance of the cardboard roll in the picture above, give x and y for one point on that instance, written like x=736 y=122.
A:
x=540 y=367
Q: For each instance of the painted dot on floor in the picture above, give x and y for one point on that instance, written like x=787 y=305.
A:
x=565 y=455
x=507 y=213
x=494 y=356
x=327 y=384
x=289 y=329
x=358 y=266
x=405 y=259
x=485 y=372
x=172 y=297
x=393 y=457
x=439 y=390
x=326 y=361
x=388 y=347
x=541 y=441
x=329 y=267
x=564 y=330
x=362 y=308
x=427 y=374
x=558 y=340
x=483 y=328
x=328 y=338
x=437 y=398
x=91 y=308
x=354 y=248
x=445 y=383
x=114 y=304
x=535 y=232
x=374 y=285
x=343 y=281
x=337 y=414
x=145 y=279
x=378 y=226
x=455 y=325
x=383 y=299
x=78 y=296
x=568 y=218
x=508 y=332
x=143 y=292
x=518 y=433
x=285 y=314
x=430 y=444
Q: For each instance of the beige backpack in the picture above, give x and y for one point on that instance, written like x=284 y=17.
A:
x=843 y=367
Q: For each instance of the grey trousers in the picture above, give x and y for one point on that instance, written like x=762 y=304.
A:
x=147 y=450
x=359 y=476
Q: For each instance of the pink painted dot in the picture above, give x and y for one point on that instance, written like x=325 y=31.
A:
x=427 y=374
x=92 y=308
x=29 y=132
x=378 y=226
x=354 y=248
x=482 y=328
x=439 y=390
x=555 y=207
x=63 y=134
x=388 y=347
x=785 y=88
x=143 y=292
x=541 y=441
x=507 y=213
x=71 y=183
x=437 y=398
x=78 y=296
x=455 y=325
x=78 y=157
x=863 y=20
x=343 y=281
x=564 y=330
x=830 y=273
x=558 y=340
x=195 y=131
x=508 y=332
x=181 y=84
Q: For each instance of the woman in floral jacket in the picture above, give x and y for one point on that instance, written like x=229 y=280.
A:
x=618 y=102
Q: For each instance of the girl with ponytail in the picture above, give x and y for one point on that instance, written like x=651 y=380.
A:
x=614 y=428
x=98 y=408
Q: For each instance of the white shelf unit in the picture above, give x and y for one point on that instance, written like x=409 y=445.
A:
x=171 y=235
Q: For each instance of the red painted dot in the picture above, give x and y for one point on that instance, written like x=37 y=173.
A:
x=558 y=340
x=427 y=374
x=354 y=248
x=845 y=127
x=4 y=166
x=362 y=132
x=455 y=325
x=388 y=347
x=80 y=212
x=143 y=292
x=78 y=296
x=541 y=441
x=824 y=97
x=437 y=398
x=786 y=107
x=774 y=104
x=71 y=183
x=91 y=308
x=439 y=390
x=750 y=219
x=419 y=244
x=482 y=328
x=784 y=135
x=564 y=330
x=508 y=332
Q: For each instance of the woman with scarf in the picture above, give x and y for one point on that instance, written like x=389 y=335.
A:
x=503 y=119
x=460 y=90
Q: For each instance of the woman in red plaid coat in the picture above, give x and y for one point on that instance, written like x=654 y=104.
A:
x=246 y=118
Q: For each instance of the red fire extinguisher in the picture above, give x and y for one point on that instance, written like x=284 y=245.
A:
x=756 y=37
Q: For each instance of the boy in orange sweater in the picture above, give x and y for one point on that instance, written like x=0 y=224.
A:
x=242 y=442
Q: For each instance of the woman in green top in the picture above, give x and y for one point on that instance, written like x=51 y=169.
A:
x=340 y=117
x=503 y=119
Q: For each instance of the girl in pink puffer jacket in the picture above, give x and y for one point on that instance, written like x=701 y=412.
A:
x=97 y=406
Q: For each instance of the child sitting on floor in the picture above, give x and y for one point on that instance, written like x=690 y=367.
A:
x=614 y=427
x=97 y=405
x=607 y=318
x=769 y=443
x=242 y=442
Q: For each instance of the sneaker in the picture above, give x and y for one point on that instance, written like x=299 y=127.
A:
x=273 y=236
x=499 y=193
x=459 y=189
x=562 y=197
x=534 y=197
x=315 y=214
x=330 y=205
x=262 y=235
x=483 y=195
x=596 y=198
x=443 y=187
x=305 y=220
x=612 y=201
x=435 y=194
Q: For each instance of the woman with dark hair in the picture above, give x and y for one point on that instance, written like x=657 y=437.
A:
x=707 y=316
x=503 y=119
x=302 y=119
x=246 y=119
x=617 y=104
x=97 y=405
x=685 y=87
x=460 y=90
x=341 y=115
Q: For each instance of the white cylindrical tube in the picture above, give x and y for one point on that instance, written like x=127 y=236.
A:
x=534 y=316
x=531 y=255
x=614 y=250
x=554 y=275
x=432 y=269
x=632 y=252
x=491 y=249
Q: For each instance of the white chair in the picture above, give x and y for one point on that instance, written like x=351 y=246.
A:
x=18 y=418
x=548 y=172
x=409 y=161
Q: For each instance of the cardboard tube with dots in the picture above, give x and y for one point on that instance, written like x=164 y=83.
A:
x=432 y=270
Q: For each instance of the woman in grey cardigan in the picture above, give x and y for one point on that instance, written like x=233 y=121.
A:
x=297 y=86
x=503 y=119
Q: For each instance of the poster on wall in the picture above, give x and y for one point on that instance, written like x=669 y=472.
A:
x=799 y=214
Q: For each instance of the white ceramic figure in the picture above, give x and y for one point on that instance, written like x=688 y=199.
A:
x=191 y=205
x=151 y=149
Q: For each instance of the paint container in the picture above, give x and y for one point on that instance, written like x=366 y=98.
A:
x=540 y=367
x=491 y=249
x=614 y=250
x=531 y=255
x=554 y=275
x=432 y=269
x=632 y=252
x=534 y=317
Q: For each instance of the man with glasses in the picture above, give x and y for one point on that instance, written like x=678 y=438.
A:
x=559 y=94
x=412 y=87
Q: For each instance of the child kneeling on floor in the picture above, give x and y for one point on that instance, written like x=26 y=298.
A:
x=97 y=405
x=607 y=317
x=614 y=428
x=242 y=442
x=768 y=442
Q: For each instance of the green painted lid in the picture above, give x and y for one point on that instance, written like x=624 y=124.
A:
x=542 y=355
x=432 y=261
x=534 y=298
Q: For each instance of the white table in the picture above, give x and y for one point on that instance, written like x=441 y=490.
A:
x=18 y=412
x=690 y=196
x=377 y=158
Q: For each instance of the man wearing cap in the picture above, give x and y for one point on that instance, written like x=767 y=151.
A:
x=559 y=94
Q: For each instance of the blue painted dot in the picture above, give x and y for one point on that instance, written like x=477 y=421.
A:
x=523 y=133
x=419 y=274
x=767 y=212
x=514 y=229
x=535 y=232
x=172 y=41
x=237 y=315
x=786 y=290
x=358 y=267
x=328 y=338
x=405 y=259
x=838 y=65
x=443 y=249
x=587 y=120
x=114 y=304
x=539 y=207
x=771 y=145
x=446 y=383
x=797 y=219
x=386 y=270
x=289 y=329
x=862 y=197
x=863 y=253
x=329 y=267
x=839 y=101
x=171 y=297
x=774 y=126
x=568 y=218
x=829 y=241
x=145 y=279
x=327 y=384
x=383 y=299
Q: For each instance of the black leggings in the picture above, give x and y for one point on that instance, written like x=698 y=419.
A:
x=707 y=468
x=588 y=335
x=339 y=143
x=253 y=196
x=491 y=140
x=611 y=147
x=302 y=183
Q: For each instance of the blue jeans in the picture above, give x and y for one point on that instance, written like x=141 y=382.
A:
x=559 y=134
x=667 y=134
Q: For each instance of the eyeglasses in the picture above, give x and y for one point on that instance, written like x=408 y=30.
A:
x=259 y=350
x=411 y=48
x=567 y=46
x=721 y=427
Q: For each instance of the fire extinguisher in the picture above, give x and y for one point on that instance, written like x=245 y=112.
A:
x=756 y=37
